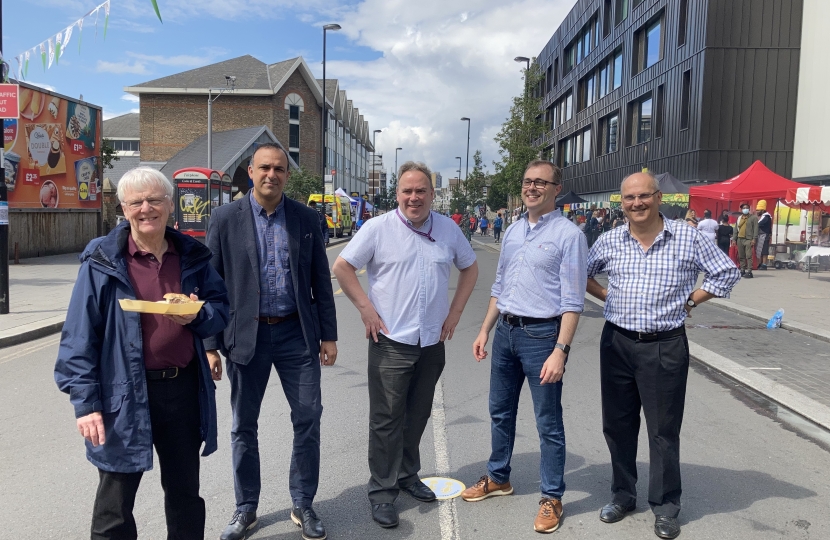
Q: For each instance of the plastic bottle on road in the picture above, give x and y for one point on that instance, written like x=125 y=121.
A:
x=775 y=322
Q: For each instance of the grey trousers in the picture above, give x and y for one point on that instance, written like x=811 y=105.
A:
x=402 y=381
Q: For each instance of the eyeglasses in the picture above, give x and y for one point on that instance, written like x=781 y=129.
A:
x=154 y=202
x=538 y=184
x=642 y=197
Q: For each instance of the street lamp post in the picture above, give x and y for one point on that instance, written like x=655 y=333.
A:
x=324 y=124
x=467 y=172
x=230 y=80
x=377 y=187
x=524 y=59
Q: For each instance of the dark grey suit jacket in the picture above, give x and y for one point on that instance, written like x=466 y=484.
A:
x=231 y=238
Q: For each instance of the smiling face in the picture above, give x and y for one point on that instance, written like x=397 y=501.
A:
x=415 y=196
x=147 y=211
x=540 y=200
x=269 y=171
x=641 y=199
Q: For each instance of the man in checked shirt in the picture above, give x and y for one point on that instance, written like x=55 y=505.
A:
x=652 y=265
x=535 y=304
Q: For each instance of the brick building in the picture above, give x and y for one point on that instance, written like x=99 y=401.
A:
x=283 y=97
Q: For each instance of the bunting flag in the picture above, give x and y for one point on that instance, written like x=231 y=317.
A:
x=51 y=42
x=106 y=17
x=66 y=36
x=43 y=55
x=80 y=34
x=58 y=40
x=96 y=22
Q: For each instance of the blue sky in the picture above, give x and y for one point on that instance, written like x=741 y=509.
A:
x=413 y=68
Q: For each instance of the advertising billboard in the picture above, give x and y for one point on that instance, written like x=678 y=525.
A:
x=51 y=152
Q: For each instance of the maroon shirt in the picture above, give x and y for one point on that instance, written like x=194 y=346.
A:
x=166 y=344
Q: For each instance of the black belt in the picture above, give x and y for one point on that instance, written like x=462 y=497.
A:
x=515 y=320
x=169 y=373
x=649 y=336
x=277 y=320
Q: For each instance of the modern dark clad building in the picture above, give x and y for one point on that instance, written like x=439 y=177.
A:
x=697 y=88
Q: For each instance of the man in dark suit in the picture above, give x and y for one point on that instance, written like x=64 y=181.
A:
x=269 y=249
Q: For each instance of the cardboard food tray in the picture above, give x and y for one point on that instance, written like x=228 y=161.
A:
x=161 y=308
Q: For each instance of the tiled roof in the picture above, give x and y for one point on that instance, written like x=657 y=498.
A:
x=250 y=73
x=124 y=126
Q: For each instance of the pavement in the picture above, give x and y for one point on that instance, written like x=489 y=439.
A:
x=746 y=474
x=789 y=365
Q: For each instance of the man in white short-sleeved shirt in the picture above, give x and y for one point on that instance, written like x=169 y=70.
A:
x=408 y=254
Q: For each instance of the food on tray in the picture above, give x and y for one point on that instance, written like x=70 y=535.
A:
x=49 y=194
x=73 y=128
x=25 y=99
x=176 y=298
x=53 y=107
x=34 y=106
x=11 y=164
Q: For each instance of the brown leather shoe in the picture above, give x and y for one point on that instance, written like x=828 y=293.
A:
x=486 y=488
x=550 y=512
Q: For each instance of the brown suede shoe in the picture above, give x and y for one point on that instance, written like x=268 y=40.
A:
x=550 y=512
x=486 y=488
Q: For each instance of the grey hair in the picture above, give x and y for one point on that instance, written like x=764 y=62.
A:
x=655 y=183
x=143 y=179
x=415 y=166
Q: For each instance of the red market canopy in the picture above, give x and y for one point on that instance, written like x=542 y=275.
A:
x=754 y=184
x=809 y=198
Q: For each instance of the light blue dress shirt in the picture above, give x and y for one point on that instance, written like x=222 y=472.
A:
x=276 y=297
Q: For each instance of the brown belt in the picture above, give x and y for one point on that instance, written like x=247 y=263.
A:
x=277 y=320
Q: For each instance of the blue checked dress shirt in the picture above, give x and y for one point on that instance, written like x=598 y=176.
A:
x=276 y=298
x=647 y=290
x=541 y=271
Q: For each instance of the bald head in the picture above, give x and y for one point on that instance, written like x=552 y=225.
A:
x=653 y=184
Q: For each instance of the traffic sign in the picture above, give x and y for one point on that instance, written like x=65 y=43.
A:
x=9 y=94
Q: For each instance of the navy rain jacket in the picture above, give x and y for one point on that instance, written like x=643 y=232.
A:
x=100 y=360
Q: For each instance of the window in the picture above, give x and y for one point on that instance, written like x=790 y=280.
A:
x=586 y=145
x=685 y=99
x=658 y=113
x=293 y=112
x=617 y=69
x=555 y=72
x=295 y=156
x=681 y=22
x=565 y=153
x=549 y=78
x=293 y=135
x=637 y=3
x=580 y=47
x=575 y=149
x=608 y=130
x=621 y=11
x=569 y=106
x=648 y=45
x=640 y=120
x=606 y=18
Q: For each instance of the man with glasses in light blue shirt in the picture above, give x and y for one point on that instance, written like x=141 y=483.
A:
x=535 y=305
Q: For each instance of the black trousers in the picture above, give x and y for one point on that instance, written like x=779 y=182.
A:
x=402 y=382
x=651 y=375
x=175 y=421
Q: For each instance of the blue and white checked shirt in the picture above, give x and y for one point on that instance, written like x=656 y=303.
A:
x=276 y=297
x=647 y=291
x=541 y=271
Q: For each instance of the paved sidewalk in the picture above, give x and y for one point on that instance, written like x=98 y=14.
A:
x=39 y=290
x=790 y=365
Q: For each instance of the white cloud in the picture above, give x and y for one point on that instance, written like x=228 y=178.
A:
x=138 y=68
x=108 y=114
x=441 y=61
x=43 y=85
x=131 y=98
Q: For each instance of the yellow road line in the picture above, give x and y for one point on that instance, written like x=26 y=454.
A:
x=29 y=350
x=338 y=291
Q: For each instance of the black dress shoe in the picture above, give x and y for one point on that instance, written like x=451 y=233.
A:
x=748 y=275
x=241 y=523
x=385 y=514
x=419 y=491
x=666 y=527
x=613 y=512
x=312 y=526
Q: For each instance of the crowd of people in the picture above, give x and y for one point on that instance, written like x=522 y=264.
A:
x=140 y=380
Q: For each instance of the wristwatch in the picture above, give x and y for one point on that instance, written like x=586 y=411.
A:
x=691 y=303
x=564 y=348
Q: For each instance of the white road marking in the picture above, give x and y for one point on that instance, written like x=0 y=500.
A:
x=338 y=291
x=23 y=352
x=767 y=368
x=447 y=515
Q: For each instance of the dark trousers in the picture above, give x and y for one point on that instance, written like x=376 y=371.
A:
x=651 y=375
x=497 y=233
x=174 y=418
x=402 y=381
x=283 y=347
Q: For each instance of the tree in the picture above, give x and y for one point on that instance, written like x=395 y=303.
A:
x=108 y=154
x=302 y=183
x=519 y=137
x=391 y=195
x=497 y=192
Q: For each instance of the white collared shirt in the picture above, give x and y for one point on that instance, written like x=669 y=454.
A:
x=408 y=274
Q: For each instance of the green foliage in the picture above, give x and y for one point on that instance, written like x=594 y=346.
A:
x=108 y=154
x=302 y=183
x=391 y=195
x=497 y=192
x=517 y=136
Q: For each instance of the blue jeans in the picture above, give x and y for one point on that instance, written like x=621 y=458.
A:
x=283 y=347
x=518 y=353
